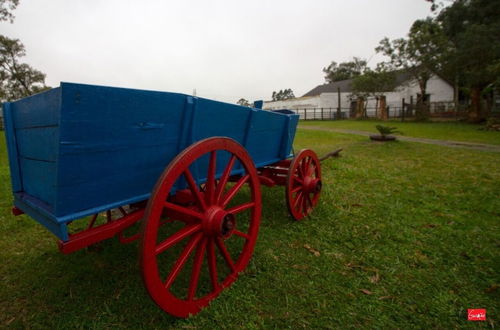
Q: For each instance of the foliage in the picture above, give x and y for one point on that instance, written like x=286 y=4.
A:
x=6 y=8
x=243 y=102
x=492 y=124
x=283 y=95
x=386 y=130
x=473 y=29
x=385 y=261
x=345 y=70
x=374 y=82
x=422 y=54
x=17 y=79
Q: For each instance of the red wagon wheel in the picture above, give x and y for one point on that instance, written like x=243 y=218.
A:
x=303 y=184
x=219 y=225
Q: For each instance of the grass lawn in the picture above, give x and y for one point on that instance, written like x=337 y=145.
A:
x=438 y=130
x=408 y=236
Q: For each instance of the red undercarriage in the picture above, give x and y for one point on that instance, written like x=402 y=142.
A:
x=272 y=175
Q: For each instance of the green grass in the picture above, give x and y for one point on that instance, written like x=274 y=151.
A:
x=408 y=236
x=453 y=131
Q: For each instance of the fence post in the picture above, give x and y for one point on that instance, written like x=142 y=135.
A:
x=339 y=112
x=322 y=118
x=403 y=110
x=305 y=114
x=411 y=105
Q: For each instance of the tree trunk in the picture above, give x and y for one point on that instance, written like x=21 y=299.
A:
x=382 y=108
x=474 y=114
x=359 y=107
x=422 y=111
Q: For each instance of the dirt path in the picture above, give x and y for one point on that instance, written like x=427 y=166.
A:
x=453 y=144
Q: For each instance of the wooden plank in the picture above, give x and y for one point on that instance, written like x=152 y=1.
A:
x=10 y=134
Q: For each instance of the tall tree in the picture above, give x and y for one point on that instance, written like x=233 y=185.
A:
x=473 y=28
x=283 y=95
x=6 y=8
x=421 y=55
x=17 y=79
x=345 y=70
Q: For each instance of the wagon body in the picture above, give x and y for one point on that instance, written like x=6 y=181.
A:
x=77 y=150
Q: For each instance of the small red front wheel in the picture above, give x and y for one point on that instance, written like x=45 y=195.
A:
x=303 y=185
x=211 y=227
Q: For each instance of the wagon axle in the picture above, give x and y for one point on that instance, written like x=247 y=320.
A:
x=217 y=222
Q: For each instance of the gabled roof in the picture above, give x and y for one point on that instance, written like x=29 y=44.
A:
x=345 y=85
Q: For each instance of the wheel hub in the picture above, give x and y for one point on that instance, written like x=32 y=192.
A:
x=312 y=185
x=218 y=222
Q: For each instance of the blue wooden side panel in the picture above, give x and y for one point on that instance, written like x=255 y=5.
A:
x=36 y=121
x=10 y=138
x=114 y=144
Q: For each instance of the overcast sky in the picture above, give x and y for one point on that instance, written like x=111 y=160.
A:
x=224 y=49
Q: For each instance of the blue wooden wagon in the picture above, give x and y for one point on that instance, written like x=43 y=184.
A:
x=188 y=169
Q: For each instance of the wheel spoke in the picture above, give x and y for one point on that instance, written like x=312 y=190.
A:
x=225 y=253
x=122 y=211
x=182 y=259
x=224 y=178
x=309 y=201
x=195 y=274
x=299 y=180
x=296 y=189
x=183 y=210
x=241 y=234
x=240 y=208
x=312 y=169
x=305 y=163
x=304 y=203
x=92 y=221
x=177 y=237
x=210 y=184
x=234 y=190
x=194 y=189
x=296 y=202
x=212 y=264
x=300 y=171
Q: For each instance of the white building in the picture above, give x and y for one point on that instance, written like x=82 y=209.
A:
x=326 y=96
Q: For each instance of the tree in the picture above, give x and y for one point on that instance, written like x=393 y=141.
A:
x=375 y=83
x=422 y=54
x=283 y=95
x=6 y=8
x=346 y=70
x=243 y=102
x=17 y=79
x=473 y=29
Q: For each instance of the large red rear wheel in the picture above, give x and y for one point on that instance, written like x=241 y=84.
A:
x=196 y=241
x=303 y=184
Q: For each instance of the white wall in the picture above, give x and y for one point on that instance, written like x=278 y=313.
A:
x=331 y=100
x=438 y=89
